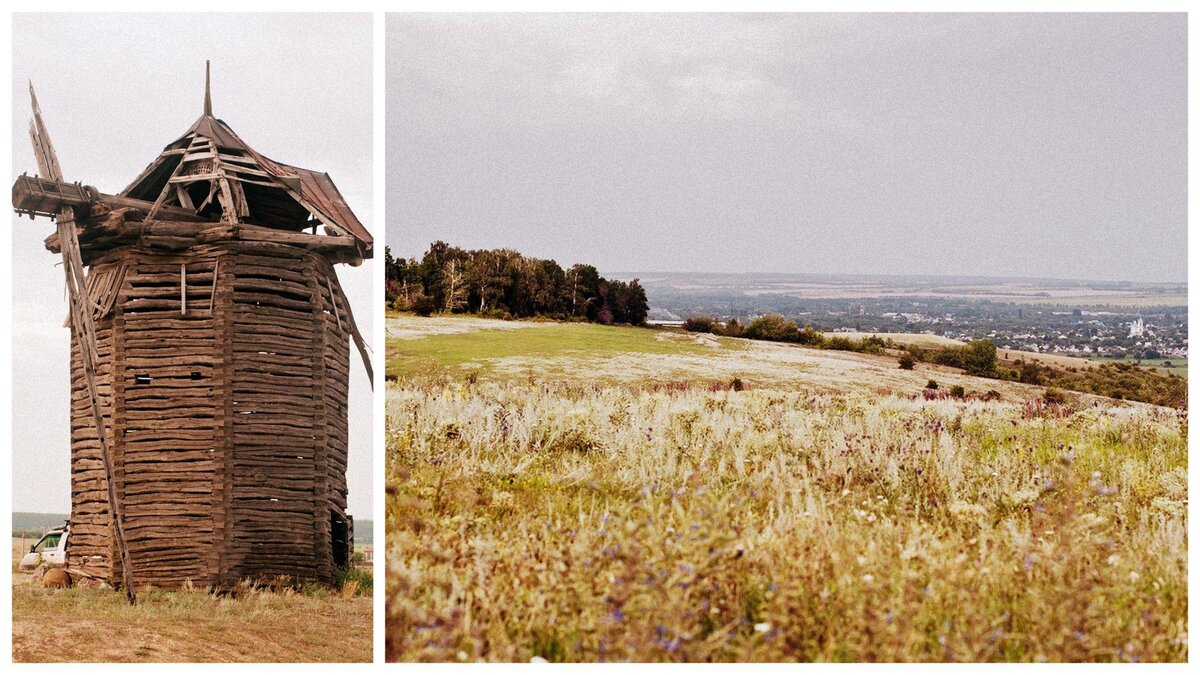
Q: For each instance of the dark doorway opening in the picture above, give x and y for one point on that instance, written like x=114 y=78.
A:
x=340 y=527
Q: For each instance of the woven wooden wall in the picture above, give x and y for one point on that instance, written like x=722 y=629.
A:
x=229 y=416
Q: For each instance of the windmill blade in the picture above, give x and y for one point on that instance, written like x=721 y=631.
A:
x=38 y=155
x=83 y=331
x=43 y=149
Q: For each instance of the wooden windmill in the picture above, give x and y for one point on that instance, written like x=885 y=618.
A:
x=210 y=362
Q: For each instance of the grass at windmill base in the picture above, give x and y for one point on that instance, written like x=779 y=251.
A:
x=257 y=625
x=592 y=504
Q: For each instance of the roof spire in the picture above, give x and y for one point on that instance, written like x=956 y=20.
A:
x=207 y=90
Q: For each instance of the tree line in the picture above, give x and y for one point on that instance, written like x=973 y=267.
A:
x=503 y=283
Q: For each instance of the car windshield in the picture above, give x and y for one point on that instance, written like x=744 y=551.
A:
x=48 y=543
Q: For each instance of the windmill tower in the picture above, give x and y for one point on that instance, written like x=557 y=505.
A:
x=210 y=363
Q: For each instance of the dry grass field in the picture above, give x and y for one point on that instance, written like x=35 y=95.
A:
x=97 y=625
x=252 y=625
x=630 y=505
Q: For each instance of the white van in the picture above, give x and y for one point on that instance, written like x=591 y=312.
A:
x=50 y=549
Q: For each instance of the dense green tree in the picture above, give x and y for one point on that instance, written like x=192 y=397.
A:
x=979 y=358
x=583 y=292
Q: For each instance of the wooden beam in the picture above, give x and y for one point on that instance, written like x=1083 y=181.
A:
x=47 y=197
x=173 y=234
x=166 y=189
x=359 y=342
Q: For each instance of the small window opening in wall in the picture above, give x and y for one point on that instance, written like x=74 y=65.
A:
x=141 y=379
x=195 y=375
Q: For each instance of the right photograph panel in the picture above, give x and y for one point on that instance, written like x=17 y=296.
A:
x=786 y=337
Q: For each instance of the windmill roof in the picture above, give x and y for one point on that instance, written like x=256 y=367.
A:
x=268 y=192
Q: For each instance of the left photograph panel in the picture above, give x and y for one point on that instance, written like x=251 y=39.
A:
x=192 y=417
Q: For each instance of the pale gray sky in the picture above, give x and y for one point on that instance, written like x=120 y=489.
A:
x=115 y=89
x=1041 y=145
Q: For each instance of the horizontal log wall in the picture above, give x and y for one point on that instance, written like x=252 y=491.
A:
x=90 y=546
x=168 y=430
x=276 y=452
x=337 y=389
x=229 y=414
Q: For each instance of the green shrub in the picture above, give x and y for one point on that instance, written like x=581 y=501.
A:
x=907 y=361
x=1029 y=372
x=810 y=336
x=773 y=327
x=842 y=344
x=355 y=581
x=1053 y=396
x=733 y=328
x=423 y=305
x=701 y=324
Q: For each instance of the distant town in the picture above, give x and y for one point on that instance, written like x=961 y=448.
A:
x=1117 y=321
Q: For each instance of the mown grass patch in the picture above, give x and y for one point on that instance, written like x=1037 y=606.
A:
x=478 y=350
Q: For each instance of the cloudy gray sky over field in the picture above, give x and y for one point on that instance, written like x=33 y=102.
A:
x=1042 y=145
x=297 y=88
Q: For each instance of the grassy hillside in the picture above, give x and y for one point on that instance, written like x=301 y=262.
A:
x=1177 y=366
x=463 y=349
x=591 y=503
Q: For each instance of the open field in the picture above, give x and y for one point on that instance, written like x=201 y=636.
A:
x=545 y=351
x=1022 y=291
x=483 y=344
x=254 y=625
x=918 y=339
x=636 y=509
x=1178 y=366
x=1123 y=300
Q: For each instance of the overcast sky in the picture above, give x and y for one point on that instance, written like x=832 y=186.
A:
x=114 y=89
x=1040 y=145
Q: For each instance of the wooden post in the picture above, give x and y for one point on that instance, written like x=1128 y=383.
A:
x=183 y=289
x=333 y=301
x=358 y=338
